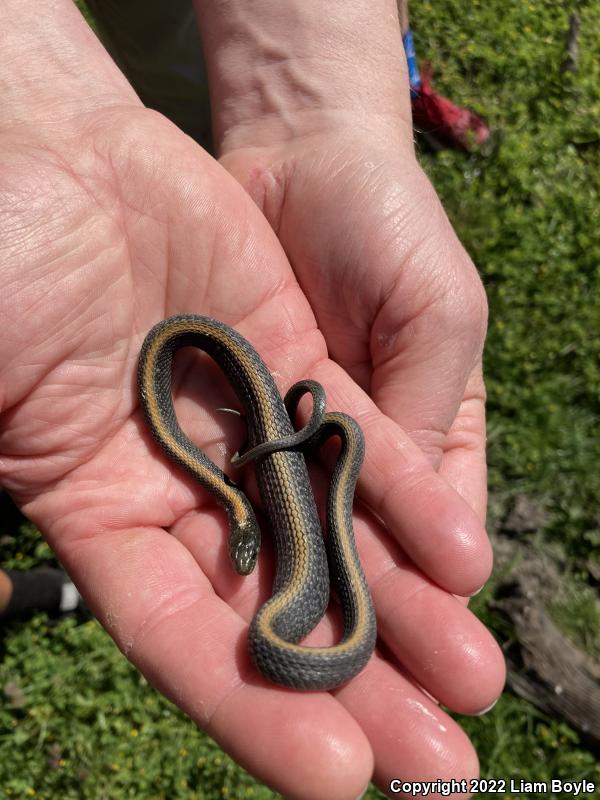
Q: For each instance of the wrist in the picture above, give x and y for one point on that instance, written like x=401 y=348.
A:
x=283 y=71
x=54 y=69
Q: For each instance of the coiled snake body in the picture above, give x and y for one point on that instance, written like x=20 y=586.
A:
x=305 y=560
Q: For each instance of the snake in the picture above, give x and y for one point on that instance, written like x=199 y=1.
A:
x=307 y=562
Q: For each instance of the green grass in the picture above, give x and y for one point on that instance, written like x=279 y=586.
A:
x=529 y=217
x=77 y=721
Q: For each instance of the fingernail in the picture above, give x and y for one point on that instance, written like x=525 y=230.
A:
x=476 y=592
x=485 y=710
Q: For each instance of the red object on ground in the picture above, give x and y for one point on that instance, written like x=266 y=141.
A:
x=439 y=117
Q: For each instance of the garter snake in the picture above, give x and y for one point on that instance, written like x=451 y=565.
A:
x=305 y=560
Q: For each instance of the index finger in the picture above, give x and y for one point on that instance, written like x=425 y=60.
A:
x=435 y=526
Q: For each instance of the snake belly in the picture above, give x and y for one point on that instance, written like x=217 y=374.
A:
x=301 y=586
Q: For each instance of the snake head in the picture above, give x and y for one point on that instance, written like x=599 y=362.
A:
x=244 y=544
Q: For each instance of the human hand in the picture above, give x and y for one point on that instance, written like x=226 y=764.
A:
x=108 y=220
x=402 y=310
x=395 y=295
x=314 y=122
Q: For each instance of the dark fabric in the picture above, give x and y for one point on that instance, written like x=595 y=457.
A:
x=34 y=590
x=157 y=47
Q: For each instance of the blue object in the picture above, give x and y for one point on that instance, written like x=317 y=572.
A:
x=414 y=76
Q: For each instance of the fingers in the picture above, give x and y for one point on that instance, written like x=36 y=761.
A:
x=399 y=301
x=413 y=739
x=432 y=635
x=437 y=529
x=164 y=614
x=463 y=463
x=148 y=591
x=435 y=640
x=427 y=351
x=427 y=342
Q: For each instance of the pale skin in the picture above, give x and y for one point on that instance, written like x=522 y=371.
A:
x=5 y=590
x=338 y=264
